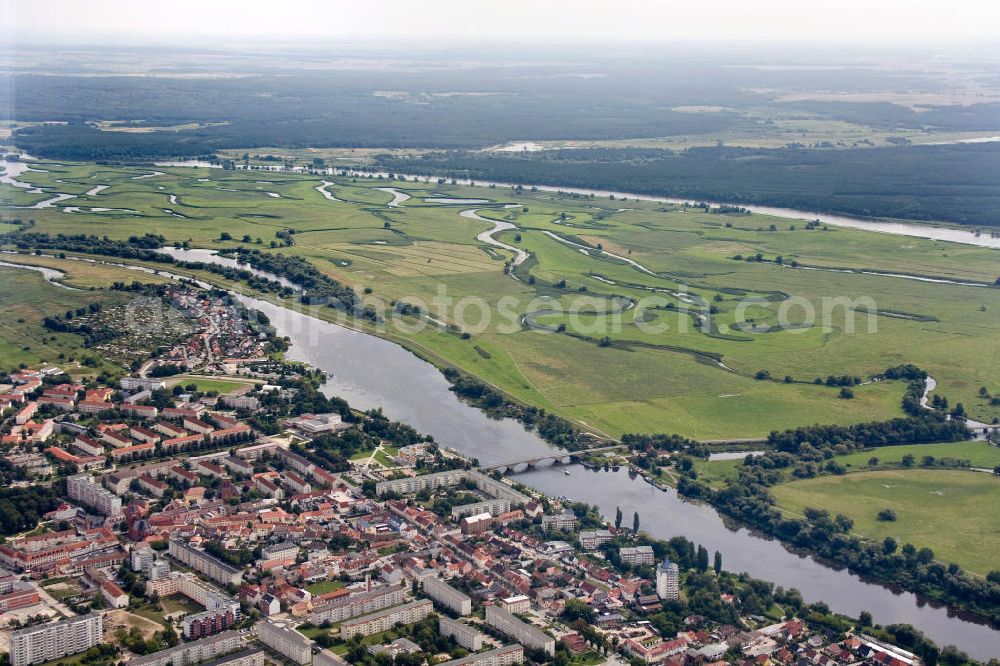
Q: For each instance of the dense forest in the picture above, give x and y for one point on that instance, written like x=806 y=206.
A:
x=952 y=183
x=429 y=100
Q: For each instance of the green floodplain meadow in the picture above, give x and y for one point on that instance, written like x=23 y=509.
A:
x=616 y=368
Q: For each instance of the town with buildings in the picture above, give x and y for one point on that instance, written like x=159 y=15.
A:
x=185 y=526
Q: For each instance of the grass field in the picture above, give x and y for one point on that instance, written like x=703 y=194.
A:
x=955 y=513
x=324 y=587
x=122 y=618
x=207 y=384
x=25 y=300
x=178 y=603
x=659 y=371
x=84 y=274
x=979 y=454
x=62 y=588
x=717 y=472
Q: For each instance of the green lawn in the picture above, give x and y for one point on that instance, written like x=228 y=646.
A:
x=362 y=455
x=955 y=513
x=717 y=472
x=383 y=459
x=62 y=588
x=147 y=611
x=176 y=603
x=323 y=587
x=207 y=384
x=978 y=453
x=647 y=380
x=25 y=300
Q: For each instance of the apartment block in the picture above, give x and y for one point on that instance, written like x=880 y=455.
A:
x=285 y=641
x=192 y=652
x=208 y=622
x=280 y=551
x=366 y=625
x=204 y=563
x=443 y=593
x=483 y=483
x=561 y=522
x=668 y=580
x=416 y=484
x=141 y=383
x=494 y=507
x=522 y=632
x=357 y=604
x=591 y=539
x=502 y=656
x=519 y=603
x=477 y=524
x=45 y=642
x=639 y=555
x=202 y=593
x=247 y=657
x=81 y=487
x=465 y=635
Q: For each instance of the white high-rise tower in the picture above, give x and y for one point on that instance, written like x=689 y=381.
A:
x=668 y=580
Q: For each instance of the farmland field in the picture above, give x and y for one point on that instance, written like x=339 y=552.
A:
x=978 y=454
x=26 y=299
x=954 y=513
x=680 y=355
x=84 y=274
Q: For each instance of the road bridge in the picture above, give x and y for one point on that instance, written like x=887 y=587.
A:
x=557 y=457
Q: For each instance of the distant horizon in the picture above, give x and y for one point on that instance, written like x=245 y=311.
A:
x=450 y=23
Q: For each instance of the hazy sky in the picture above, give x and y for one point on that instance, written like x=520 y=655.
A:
x=665 y=21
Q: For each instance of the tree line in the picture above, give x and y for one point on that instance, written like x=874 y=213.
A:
x=951 y=183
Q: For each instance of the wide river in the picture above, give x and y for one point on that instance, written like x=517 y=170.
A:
x=372 y=372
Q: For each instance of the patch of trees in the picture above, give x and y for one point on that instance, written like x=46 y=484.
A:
x=394 y=433
x=951 y=183
x=302 y=397
x=553 y=429
x=913 y=430
x=310 y=109
x=9 y=473
x=22 y=508
x=656 y=443
x=135 y=642
x=167 y=370
x=236 y=557
x=318 y=287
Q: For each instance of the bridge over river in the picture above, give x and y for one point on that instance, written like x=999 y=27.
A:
x=558 y=457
